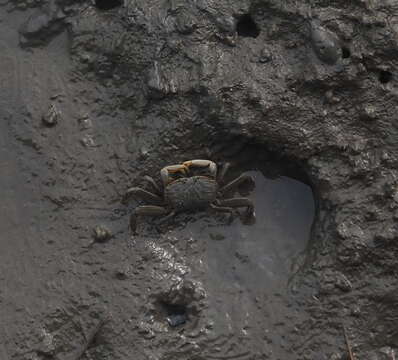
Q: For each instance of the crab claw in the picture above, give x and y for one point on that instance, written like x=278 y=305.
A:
x=202 y=164
x=187 y=164
x=172 y=169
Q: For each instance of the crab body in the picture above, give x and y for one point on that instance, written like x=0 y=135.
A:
x=192 y=185
x=196 y=192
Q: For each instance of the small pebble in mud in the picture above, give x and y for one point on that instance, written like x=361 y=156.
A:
x=35 y=24
x=47 y=346
x=368 y=113
x=265 y=56
x=101 y=234
x=343 y=283
x=87 y=141
x=144 y=152
x=85 y=122
x=177 y=319
x=51 y=117
x=325 y=44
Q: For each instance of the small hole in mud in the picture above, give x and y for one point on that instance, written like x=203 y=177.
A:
x=176 y=315
x=108 y=4
x=345 y=52
x=385 y=76
x=246 y=27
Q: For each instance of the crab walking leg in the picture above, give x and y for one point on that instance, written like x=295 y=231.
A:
x=223 y=172
x=235 y=183
x=172 y=169
x=222 y=208
x=154 y=184
x=239 y=202
x=137 y=192
x=203 y=164
x=145 y=210
x=166 y=218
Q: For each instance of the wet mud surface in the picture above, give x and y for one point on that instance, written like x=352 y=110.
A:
x=241 y=274
x=303 y=96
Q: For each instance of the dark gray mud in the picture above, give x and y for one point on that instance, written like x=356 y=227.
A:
x=229 y=279
x=246 y=269
x=95 y=95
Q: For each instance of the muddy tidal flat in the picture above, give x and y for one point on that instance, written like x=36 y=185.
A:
x=302 y=96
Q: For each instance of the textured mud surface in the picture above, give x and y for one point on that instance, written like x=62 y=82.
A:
x=96 y=94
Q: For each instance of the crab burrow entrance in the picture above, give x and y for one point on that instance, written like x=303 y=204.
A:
x=255 y=262
x=267 y=249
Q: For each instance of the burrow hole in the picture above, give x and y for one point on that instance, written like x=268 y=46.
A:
x=345 y=52
x=174 y=314
x=385 y=76
x=108 y=4
x=246 y=27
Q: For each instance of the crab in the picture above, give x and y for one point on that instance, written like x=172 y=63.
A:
x=192 y=185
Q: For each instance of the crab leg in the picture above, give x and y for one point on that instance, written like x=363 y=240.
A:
x=235 y=183
x=223 y=172
x=167 y=217
x=145 y=210
x=239 y=202
x=222 y=208
x=202 y=164
x=137 y=192
x=154 y=184
x=172 y=169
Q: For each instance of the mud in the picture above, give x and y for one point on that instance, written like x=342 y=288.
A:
x=95 y=95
